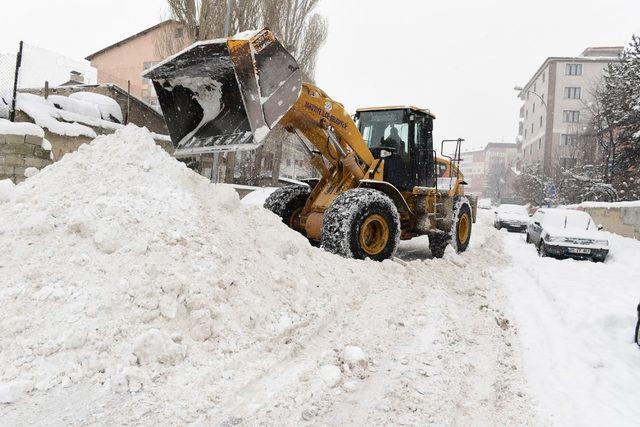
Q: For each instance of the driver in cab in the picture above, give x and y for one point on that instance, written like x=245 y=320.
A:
x=394 y=142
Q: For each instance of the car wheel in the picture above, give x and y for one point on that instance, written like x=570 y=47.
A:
x=542 y=250
x=527 y=238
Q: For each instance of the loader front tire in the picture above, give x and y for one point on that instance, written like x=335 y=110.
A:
x=461 y=226
x=361 y=223
x=287 y=202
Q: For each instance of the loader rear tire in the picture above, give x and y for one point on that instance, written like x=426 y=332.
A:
x=462 y=223
x=287 y=202
x=438 y=244
x=361 y=223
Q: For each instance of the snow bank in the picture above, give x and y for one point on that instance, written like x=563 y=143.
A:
x=576 y=322
x=20 y=128
x=109 y=108
x=606 y=205
x=122 y=270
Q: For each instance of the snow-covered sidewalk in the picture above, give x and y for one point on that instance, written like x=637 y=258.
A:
x=576 y=321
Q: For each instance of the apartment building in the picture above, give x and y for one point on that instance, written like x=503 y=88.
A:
x=555 y=106
x=477 y=165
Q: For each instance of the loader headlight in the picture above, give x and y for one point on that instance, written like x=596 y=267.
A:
x=553 y=239
x=602 y=242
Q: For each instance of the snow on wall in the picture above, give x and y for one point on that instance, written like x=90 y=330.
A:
x=10 y=128
x=109 y=108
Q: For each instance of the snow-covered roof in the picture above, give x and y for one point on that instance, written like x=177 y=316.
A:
x=588 y=55
x=128 y=39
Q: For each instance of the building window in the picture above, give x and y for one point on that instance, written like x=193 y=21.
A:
x=525 y=134
x=526 y=114
x=535 y=87
x=540 y=121
x=531 y=128
x=534 y=107
x=179 y=33
x=574 y=70
x=572 y=93
x=568 y=139
x=570 y=116
x=531 y=149
x=540 y=144
x=567 y=162
x=543 y=76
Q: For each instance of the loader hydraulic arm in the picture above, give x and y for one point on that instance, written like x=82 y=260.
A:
x=325 y=124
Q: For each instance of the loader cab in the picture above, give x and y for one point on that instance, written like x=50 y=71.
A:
x=406 y=132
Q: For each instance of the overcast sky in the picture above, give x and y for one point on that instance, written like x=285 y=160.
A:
x=460 y=58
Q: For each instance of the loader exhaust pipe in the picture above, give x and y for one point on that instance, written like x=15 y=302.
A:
x=226 y=94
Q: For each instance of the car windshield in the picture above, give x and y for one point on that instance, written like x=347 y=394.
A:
x=513 y=209
x=570 y=219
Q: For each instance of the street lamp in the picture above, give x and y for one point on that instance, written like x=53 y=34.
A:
x=521 y=89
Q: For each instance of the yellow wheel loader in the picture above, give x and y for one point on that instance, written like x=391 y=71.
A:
x=380 y=178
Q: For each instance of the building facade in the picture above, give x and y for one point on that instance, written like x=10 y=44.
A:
x=124 y=62
x=485 y=170
x=555 y=110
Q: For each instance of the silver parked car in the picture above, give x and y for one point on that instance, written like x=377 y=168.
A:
x=567 y=233
x=511 y=217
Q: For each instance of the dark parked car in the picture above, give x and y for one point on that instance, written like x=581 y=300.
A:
x=566 y=233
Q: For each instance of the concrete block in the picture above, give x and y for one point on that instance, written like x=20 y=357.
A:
x=19 y=170
x=7 y=148
x=33 y=140
x=6 y=170
x=24 y=149
x=15 y=139
x=41 y=153
x=13 y=160
x=33 y=162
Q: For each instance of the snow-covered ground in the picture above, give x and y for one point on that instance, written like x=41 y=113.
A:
x=576 y=321
x=135 y=292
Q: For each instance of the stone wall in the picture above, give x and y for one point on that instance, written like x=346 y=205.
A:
x=61 y=144
x=621 y=220
x=19 y=152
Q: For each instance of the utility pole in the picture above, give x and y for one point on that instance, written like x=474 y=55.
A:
x=230 y=157
x=227 y=19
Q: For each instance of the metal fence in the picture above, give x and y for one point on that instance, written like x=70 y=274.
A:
x=9 y=79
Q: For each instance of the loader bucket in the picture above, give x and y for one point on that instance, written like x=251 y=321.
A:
x=226 y=94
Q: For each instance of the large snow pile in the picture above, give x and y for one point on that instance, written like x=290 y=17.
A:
x=123 y=270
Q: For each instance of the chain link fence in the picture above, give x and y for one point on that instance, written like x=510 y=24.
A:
x=9 y=77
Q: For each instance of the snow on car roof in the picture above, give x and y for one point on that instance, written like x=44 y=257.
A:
x=567 y=218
